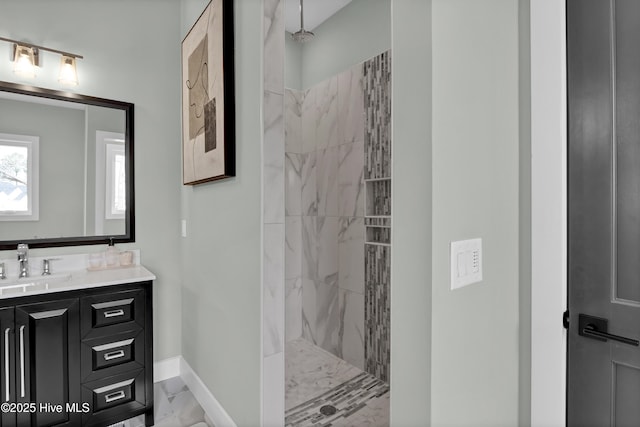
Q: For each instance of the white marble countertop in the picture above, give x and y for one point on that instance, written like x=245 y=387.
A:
x=73 y=280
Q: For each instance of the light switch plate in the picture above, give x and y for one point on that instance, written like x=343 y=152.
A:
x=466 y=262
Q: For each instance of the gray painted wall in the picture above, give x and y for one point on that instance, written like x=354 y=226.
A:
x=292 y=63
x=412 y=201
x=111 y=40
x=359 y=31
x=221 y=295
x=61 y=171
x=524 y=68
x=475 y=194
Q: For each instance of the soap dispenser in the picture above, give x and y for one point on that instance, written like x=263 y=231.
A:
x=111 y=255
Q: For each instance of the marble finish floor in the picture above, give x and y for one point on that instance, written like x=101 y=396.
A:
x=174 y=405
x=315 y=379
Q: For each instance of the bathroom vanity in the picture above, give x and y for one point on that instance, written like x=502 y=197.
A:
x=76 y=349
x=76 y=346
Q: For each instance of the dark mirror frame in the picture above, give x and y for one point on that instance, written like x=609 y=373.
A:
x=128 y=108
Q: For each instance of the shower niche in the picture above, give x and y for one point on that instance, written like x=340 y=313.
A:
x=378 y=211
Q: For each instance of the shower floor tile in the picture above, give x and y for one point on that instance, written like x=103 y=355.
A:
x=311 y=371
x=315 y=379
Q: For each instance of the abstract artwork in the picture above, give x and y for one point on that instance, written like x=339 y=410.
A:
x=208 y=107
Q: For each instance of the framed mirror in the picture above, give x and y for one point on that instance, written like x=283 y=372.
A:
x=66 y=168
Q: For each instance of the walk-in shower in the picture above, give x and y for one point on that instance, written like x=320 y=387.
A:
x=338 y=239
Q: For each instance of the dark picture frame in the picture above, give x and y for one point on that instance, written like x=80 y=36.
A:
x=208 y=98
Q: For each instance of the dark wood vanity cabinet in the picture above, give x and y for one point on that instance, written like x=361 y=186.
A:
x=77 y=358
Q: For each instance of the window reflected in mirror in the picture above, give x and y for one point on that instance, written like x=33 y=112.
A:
x=19 y=165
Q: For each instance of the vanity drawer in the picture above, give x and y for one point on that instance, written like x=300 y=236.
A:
x=113 y=395
x=112 y=354
x=112 y=313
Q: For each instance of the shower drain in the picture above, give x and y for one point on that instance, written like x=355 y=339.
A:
x=328 y=410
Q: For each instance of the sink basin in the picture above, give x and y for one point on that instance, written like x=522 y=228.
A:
x=34 y=283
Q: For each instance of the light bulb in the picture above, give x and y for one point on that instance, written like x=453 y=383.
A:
x=24 y=62
x=68 y=74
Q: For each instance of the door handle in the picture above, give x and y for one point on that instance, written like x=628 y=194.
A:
x=596 y=328
x=22 y=391
x=7 y=374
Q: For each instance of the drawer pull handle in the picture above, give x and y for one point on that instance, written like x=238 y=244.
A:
x=114 y=355
x=114 y=396
x=114 y=313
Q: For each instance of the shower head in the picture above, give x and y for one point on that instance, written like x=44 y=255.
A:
x=302 y=36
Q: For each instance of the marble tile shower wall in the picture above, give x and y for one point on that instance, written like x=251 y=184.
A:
x=324 y=208
x=273 y=226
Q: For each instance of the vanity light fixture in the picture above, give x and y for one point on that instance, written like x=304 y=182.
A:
x=26 y=58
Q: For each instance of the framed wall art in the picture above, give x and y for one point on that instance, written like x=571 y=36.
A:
x=208 y=106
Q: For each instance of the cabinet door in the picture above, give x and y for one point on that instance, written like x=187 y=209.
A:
x=48 y=361
x=7 y=365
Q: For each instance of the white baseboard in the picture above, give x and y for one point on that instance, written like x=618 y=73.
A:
x=211 y=406
x=178 y=367
x=167 y=368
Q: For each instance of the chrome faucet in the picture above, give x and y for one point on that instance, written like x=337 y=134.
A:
x=23 y=259
x=46 y=266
